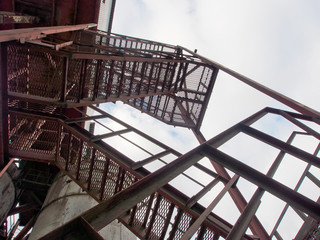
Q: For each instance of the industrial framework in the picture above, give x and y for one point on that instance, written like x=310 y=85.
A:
x=51 y=76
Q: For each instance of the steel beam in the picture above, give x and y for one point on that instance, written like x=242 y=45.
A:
x=202 y=192
x=300 y=124
x=4 y=169
x=107 y=135
x=281 y=191
x=104 y=213
x=81 y=102
x=141 y=163
x=26 y=34
x=303 y=155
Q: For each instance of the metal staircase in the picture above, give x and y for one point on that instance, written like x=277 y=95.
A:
x=54 y=78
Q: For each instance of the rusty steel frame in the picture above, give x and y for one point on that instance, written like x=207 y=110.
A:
x=153 y=77
x=115 y=155
x=286 y=194
x=207 y=149
x=27 y=34
x=110 y=209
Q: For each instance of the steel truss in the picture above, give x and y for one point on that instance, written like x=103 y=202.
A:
x=50 y=76
x=109 y=176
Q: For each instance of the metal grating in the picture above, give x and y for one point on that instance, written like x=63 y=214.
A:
x=34 y=71
x=159 y=79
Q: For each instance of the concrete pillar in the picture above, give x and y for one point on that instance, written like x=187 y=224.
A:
x=66 y=200
x=8 y=191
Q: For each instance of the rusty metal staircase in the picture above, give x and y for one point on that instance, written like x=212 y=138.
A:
x=53 y=79
x=96 y=67
x=162 y=213
x=103 y=171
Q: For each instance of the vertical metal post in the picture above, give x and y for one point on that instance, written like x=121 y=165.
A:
x=96 y=80
x=59 y=134
x=153 y=216
x=79 y=159
x=110 y=79
x=122 y=80
x=64 y=79
x=132 y=78
x=68 y=150
x=158 y=78
x=175 y=224
x=91 y=168
x=144 y=224
x=167 y=221
x=133 y=213
x=4 y=152
x=150 y=77
x=104 y=178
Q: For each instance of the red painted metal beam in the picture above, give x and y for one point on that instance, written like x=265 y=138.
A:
x=303 y=155
x=281 y=191
x=40 y=32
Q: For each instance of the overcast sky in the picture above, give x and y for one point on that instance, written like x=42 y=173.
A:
x=276 y=43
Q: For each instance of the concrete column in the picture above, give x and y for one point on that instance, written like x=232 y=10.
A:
x=8 y=191
x=66 y=200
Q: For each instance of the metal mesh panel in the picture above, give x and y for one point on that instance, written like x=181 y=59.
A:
x=104 y=76
x=47 y=139
x=73 y=83
x=208 y=235
x=32 y=134
x=129 y=179
x=97 y=172
x=141 y=212
x=112 y=174
x=85 y=162
x=89 y=79
x=63 y=153
x=33 y=107
x=183 y=226
x=191 y=95
x=34 y=71
x=161 y=217
x=75 y=147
